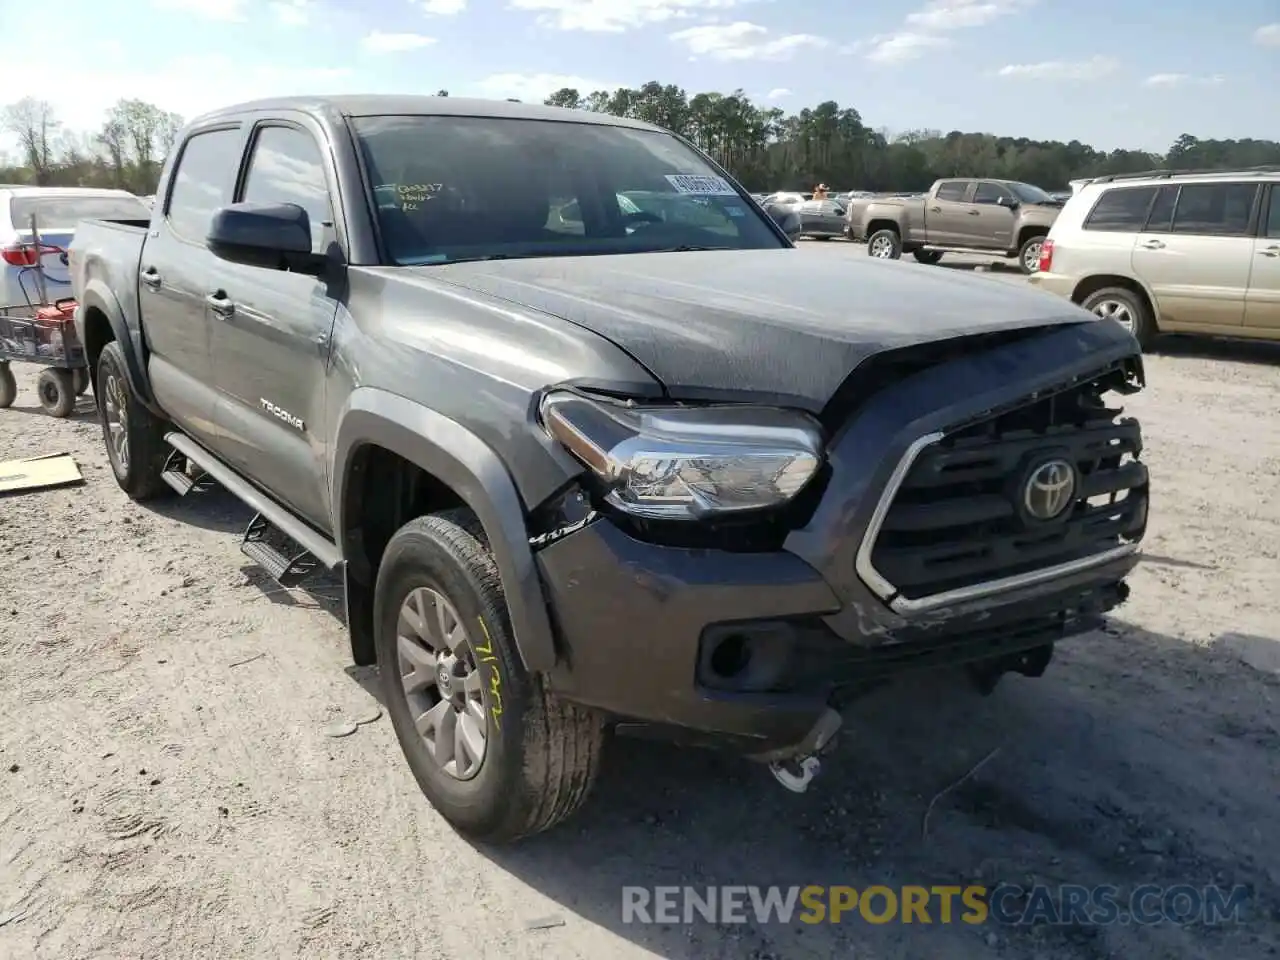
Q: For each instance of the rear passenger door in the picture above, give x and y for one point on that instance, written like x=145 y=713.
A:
x=1196 y=251
x=272 y=331
x=173 y=275
x=947 y=221
x=1262 y=302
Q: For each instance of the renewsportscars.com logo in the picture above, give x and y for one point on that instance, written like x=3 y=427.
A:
x=1006 y=904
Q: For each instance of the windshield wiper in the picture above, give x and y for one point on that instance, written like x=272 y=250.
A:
x=683 y=248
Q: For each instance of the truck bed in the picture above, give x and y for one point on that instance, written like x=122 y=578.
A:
x=109 y=252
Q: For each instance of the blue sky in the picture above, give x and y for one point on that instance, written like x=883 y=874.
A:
x=1132 y=73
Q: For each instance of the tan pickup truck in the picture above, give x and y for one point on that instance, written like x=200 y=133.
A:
x=1003 y=217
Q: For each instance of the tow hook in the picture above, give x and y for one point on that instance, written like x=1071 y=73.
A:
x=796 y=774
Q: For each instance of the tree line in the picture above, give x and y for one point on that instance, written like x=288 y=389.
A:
x=127 y=151
x=764 y=147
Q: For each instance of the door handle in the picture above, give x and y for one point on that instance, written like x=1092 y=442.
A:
x=1154 y=245
x=975 y=213
x=151 y=277
x=1271 y=251
x=219 y=304
x=935 y=209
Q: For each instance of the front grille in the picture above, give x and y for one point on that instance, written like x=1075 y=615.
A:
x=963 y=514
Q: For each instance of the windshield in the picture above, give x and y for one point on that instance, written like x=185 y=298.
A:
x=461 y=188
x=1030 y=194
x=63 y=213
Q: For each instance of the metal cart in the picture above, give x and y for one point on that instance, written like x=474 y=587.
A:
x=43 y=332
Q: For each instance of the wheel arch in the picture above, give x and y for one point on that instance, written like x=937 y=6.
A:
x=102 y=321
x=1091 y=285
x=461 y=470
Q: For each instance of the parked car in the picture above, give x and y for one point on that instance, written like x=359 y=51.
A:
x=57 y=210
x=673 y=482
x=1167 y=252
x=821 y=219
x=1004 y=217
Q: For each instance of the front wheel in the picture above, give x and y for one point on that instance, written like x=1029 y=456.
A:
x=133 y=434
x=497 y=754
x=1029 y=254
x=8 y=386
x=884 y=245
x=56 y=392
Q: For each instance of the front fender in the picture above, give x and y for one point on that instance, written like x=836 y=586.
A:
x=96 y=295
x=458 y=458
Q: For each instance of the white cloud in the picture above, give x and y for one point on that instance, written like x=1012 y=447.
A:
x=535 y=87
x=1168 y=80
x=925 y=29
x=443 y=8
x=941 y=15
x=379 y=42
x=743 y=41
x=82 y=93
x=1268 y=35
x=224 y=10
x=778 y=93
x=1094 y=68
x=616 y=16
x=901 y=47
x=291 y=13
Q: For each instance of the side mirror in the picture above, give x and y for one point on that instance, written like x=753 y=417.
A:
x=790 y=223
x=274 y=236
x=1010 y=202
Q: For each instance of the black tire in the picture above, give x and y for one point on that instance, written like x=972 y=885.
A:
x=80 y=381
x=929 y=257
x=1103 y=303
x=885 y=245
x=1029 y=246
x=140 y=474
x=8 y=387
x=56 y=392
x=542 y=756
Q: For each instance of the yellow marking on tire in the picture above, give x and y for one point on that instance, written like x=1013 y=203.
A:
x=486 y=655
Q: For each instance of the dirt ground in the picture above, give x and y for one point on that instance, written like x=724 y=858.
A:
x=167 y=788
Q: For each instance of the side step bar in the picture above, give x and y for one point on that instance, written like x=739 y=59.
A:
x=178 y=474
x=286 y=566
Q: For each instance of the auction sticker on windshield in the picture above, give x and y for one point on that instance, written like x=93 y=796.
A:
x=703 y=186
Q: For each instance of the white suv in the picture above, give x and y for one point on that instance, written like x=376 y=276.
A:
x=1172 y=252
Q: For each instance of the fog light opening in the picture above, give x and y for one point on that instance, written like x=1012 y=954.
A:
x=731 y=656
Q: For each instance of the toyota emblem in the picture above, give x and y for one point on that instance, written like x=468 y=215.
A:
x=1049 y=490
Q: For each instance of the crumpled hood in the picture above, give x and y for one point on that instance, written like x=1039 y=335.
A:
x=783 y=324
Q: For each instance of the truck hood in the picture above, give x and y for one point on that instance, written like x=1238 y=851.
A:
x=779 y=326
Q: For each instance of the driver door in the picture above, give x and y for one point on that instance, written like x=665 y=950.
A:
x=992 y=228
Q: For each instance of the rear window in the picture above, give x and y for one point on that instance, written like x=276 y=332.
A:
x=63 y=213
x=1121 y=209
x=1215 y=209
x=952 y=190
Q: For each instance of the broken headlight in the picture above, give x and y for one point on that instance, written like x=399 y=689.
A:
x=688 y=463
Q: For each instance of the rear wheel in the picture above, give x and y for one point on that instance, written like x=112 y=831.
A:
x=927 y=256
x=1126 y=308
x=884 y=245
x=1029 y=254
x=8 y=386
x=497 y=754
x=134 y=436
x=56 y=392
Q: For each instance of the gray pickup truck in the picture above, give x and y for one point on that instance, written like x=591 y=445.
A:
x=616 y=472
x=1004 y=217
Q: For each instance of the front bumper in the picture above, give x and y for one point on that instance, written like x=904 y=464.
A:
x=655 y=635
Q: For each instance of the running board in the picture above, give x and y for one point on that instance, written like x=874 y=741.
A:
x=178 y=473
x=288 y=567
x=270 y=549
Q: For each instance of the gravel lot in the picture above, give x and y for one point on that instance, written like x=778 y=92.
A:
x=167 y=790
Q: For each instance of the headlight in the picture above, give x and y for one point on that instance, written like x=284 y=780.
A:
x=683 y=463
